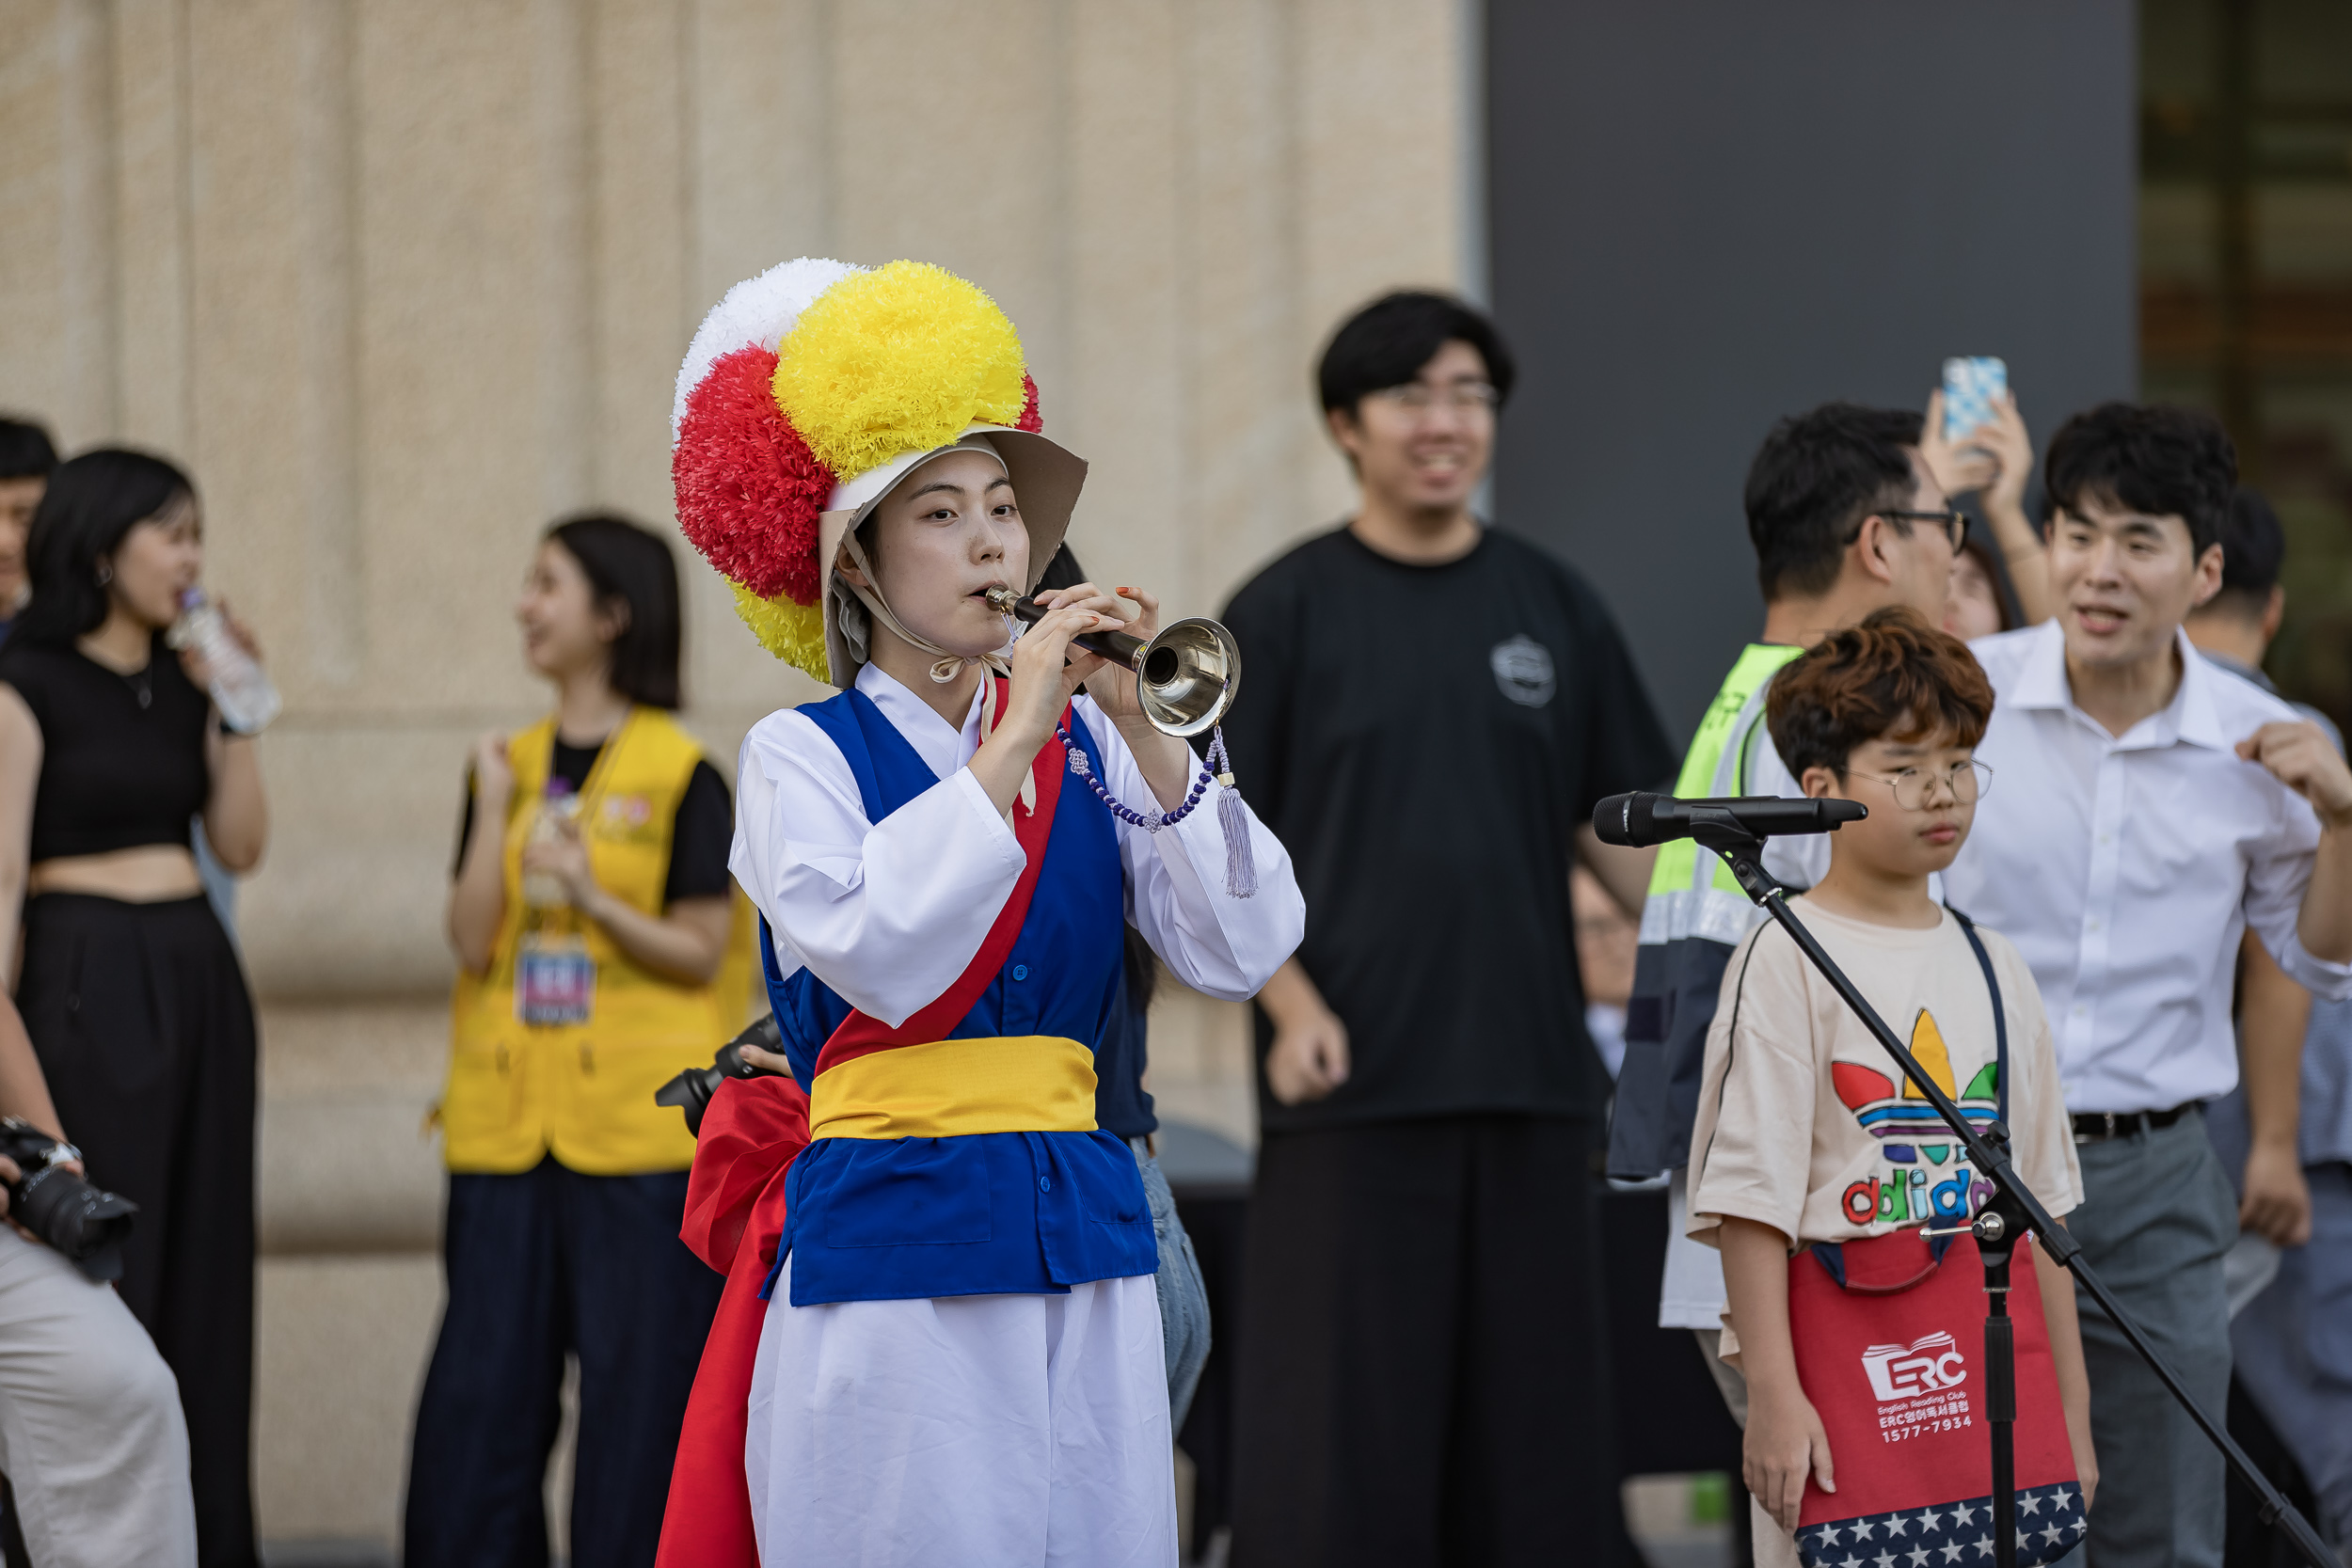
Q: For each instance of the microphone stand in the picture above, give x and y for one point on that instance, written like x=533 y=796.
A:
x=2004 y=1220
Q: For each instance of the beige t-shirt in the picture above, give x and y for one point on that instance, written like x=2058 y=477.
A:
x=1805 y=1123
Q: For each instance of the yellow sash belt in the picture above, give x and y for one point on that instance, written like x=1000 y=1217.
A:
x=953 y=1088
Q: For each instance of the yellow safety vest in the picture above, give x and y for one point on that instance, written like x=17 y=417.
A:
x=584 y=1092
x=1692 y=892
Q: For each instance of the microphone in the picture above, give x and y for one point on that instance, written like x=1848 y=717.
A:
x=1641 y=820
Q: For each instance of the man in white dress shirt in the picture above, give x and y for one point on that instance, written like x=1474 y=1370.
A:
x=2146 y=810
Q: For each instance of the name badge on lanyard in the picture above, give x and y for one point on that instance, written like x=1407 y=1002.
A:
x=555 y=980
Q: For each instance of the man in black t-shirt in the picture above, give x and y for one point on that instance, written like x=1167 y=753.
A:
x=1431 y=713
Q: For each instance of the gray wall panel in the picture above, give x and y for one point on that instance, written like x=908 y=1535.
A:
x=1706 y=213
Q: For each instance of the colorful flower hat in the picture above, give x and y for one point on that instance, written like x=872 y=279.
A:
x=808 y=393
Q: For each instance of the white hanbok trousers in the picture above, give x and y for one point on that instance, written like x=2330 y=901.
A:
x=997 y=1432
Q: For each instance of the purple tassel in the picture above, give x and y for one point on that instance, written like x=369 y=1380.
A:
x=1241 y=865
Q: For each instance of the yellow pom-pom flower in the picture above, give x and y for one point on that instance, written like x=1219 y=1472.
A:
x=794 y=633
x=899 y=359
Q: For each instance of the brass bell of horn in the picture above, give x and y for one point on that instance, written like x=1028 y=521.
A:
x=1186 y=676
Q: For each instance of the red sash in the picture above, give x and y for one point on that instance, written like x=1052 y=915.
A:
x=735 y=1196
x=861 y=1034
x=734 y=1220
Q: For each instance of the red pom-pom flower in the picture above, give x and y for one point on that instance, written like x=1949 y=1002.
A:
x=749 y=490
x=1031 y=419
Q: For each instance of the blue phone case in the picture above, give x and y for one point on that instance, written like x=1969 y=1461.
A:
x=1970 y=385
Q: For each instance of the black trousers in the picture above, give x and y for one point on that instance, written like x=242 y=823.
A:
x=144 y=1028
x=1423 y=1378
x=541 y=1264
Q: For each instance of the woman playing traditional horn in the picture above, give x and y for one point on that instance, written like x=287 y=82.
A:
x=959 y=1355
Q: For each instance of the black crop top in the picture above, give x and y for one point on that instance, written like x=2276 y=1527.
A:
x=115 y=773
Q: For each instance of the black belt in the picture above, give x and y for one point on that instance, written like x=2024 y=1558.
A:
x=2092 y=1127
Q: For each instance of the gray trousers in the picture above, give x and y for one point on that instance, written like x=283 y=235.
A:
x=90 y=1433
x=2295 y=1350
x=2157 y=1216
x=1184 y=1299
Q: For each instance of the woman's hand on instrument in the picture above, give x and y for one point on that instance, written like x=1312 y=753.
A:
x=1047 y=670
x=1785 y=1445
x=1111 y=685
x=1167 y=763
x=566 y=860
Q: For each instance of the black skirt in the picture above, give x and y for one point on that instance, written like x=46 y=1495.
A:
x=144 y=1027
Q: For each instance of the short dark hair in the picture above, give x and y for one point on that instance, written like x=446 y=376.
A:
x=1892 y=678
x=90 y=503
x=1817 y=476
x=629 y=562
x=1387 y=343
x=2253 y=547
x=25 y=451
x=2149 y=459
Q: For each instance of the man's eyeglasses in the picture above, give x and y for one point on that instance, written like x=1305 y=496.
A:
x=1914 y=788
x=1955 y=524
x=1415 y=398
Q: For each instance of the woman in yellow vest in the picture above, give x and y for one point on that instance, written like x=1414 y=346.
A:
x=602 y=948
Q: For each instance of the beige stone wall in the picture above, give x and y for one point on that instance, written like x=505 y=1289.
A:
x=400 y=281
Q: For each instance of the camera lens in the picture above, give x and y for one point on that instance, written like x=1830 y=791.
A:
x=84 y=1223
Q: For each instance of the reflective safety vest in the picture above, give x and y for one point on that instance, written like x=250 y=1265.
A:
x=1694 y=916
x=584 y=1091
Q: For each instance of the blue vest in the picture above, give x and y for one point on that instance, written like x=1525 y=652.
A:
x=872 y=1219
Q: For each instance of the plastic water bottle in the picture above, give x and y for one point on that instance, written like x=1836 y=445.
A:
x=544 y=890
x=241 y=690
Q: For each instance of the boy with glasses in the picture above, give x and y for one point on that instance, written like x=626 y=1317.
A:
x=2151 y=810
x=1792 y=1146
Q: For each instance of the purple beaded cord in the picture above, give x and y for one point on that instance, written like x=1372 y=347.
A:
x=1126 y=814
x=1241 y=869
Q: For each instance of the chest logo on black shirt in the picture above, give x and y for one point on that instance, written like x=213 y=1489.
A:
x=1522 y=667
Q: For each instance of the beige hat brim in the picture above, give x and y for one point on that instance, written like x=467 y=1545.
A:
x=1046 y=478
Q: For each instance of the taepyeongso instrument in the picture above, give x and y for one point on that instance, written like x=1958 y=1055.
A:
x=1186 y=676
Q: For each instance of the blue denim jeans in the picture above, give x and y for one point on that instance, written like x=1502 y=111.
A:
x=1183 y=1300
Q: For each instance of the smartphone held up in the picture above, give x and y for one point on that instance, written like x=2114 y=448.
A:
x=1972 y=384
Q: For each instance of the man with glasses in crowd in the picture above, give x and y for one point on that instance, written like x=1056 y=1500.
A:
x=1847 y=516
x=2151 y=809
x=1431 y=710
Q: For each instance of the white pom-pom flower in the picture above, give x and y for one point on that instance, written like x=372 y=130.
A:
x=757 y=310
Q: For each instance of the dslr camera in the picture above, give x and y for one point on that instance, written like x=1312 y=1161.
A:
x=85 y=1223
x=691 y=1090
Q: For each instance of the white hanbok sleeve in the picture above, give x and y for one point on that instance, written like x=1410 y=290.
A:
x=889 y=915
x=1224 y=946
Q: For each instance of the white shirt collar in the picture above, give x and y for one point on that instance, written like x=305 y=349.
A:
x=941 y=745
x=2188 y=719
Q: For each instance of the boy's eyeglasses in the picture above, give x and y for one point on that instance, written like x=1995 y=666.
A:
x=1955 y=524
x=1914 y=788
x=1414 y=398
